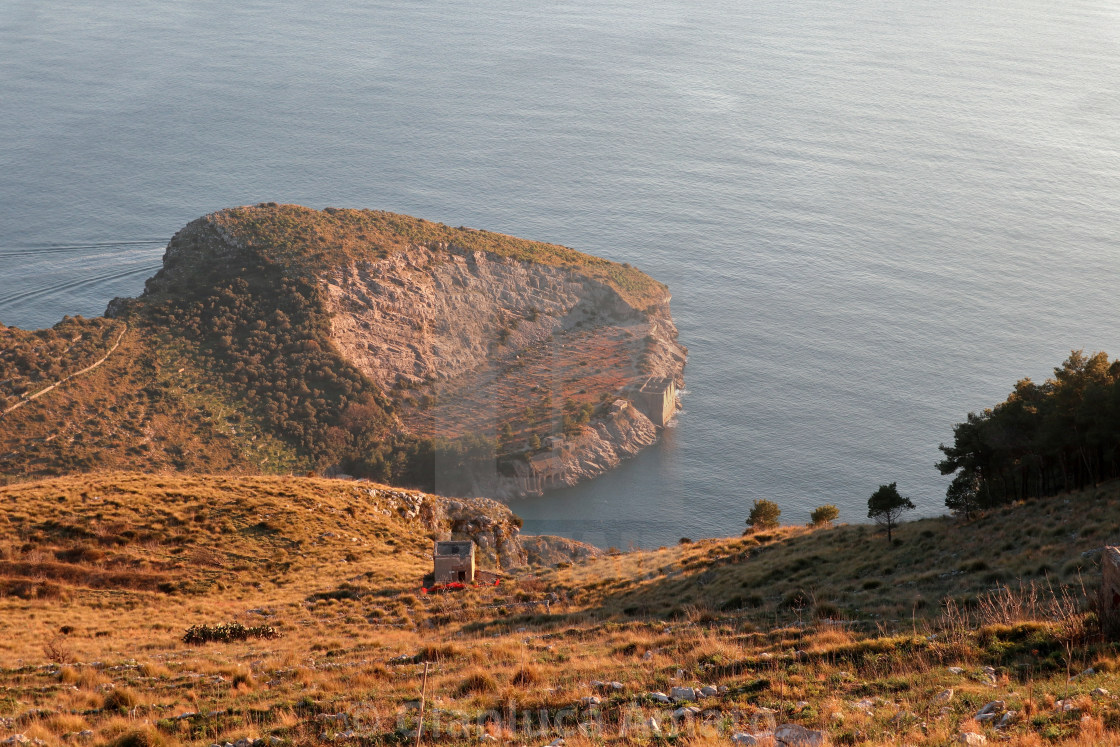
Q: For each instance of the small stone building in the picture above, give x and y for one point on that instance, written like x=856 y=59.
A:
x=454 y=561
x=657 y=398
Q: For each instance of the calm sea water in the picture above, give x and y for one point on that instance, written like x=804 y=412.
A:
x=875 y=216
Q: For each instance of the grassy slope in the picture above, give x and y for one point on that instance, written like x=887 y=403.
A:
x=850 y=572
x=260 y=550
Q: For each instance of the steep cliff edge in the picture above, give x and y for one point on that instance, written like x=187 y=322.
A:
x=380 y=346
x=539 y=358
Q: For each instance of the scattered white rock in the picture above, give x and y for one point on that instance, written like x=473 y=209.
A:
x=487 y=739
x=616 y=686
x=995 y=706
x=1007 y=720
x=944 y=696
x=653 y=726
x=680 y=694
x=659 y=697
x=956 y=670
x=685 y=712
x=742 y=738
x=795 y=735
x=589 y=700
x=971 y=738
x=1100 y=692
x=708 y=691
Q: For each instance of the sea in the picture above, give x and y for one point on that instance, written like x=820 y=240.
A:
x=874 y=216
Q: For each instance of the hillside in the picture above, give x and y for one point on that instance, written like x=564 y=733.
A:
x=103 y=575
x=277 y=338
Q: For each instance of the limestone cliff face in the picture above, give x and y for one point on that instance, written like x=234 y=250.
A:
x=474 y=341
x=438 y=313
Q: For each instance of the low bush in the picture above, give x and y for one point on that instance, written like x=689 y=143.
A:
x=227 y=632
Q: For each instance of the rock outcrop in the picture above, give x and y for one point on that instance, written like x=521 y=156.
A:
x=490 y=525
x=472 y=342
x=546 y=549
x=437 y=313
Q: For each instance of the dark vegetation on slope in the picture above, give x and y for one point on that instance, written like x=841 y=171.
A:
x=1063 y=434
x=149 y=406
x=32 y=360
x=261 y=324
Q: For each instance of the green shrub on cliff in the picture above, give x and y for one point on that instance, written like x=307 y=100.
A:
x=764 y=515
x=822 y=515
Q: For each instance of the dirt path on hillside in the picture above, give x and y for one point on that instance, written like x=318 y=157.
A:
x=60 y=382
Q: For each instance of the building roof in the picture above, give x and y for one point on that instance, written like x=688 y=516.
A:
x=657 y=384
x=545 y=463
x=460 y=548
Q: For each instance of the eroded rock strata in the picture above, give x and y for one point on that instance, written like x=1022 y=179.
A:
x=468 y=341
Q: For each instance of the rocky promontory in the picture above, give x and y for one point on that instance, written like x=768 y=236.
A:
x=358 y=342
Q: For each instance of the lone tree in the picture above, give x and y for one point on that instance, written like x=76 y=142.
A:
x=824 y=515
x=885 y=506
x=764 y=515
x=963 y=495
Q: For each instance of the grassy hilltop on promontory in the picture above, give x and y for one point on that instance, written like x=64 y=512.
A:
x=278 y=338
x=310 y=591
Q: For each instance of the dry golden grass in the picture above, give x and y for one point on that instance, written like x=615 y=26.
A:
x=497 y=662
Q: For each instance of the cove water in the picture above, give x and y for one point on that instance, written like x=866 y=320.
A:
x=874 y=215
